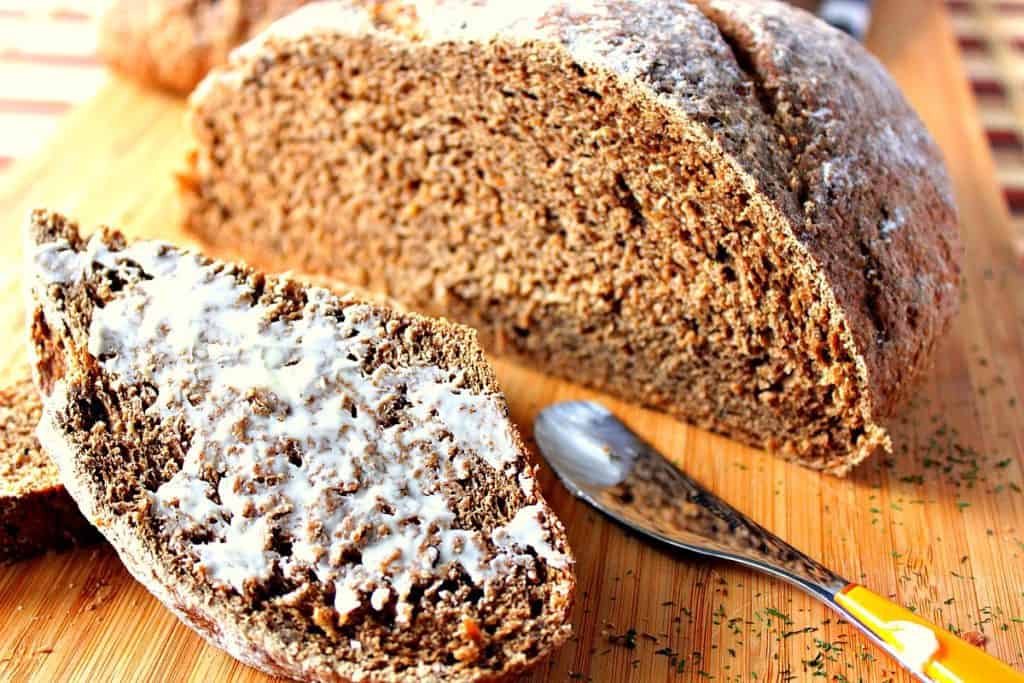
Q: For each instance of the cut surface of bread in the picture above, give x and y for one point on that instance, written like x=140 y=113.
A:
x=724 y=210
x=36 y=513
x=325 y=488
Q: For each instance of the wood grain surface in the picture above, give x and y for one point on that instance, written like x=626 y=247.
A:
x=939 y=526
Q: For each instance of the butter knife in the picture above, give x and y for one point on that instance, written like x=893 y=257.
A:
x=604 y=463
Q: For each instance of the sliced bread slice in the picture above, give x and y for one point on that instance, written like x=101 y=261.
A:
x=325 y=488
x=36 y=513
x=722 y=209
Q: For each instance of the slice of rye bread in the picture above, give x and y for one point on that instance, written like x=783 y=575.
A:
x=723 y=210
x=36 y=513
x=327 y=489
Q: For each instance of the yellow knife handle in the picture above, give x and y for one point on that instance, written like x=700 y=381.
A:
x=931 y=652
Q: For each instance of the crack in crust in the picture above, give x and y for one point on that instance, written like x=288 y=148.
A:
x=745 y=59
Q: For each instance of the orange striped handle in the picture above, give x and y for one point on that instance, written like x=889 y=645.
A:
x=922 y=646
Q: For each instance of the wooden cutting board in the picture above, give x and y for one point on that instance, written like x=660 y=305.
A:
x=939 y=526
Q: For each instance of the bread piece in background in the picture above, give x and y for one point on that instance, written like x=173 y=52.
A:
x=36 y=513
x=172 y=44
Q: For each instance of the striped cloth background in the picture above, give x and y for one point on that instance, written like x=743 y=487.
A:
x=991 y=37
x=47 y=64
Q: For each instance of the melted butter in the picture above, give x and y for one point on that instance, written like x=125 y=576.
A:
x=361 y=501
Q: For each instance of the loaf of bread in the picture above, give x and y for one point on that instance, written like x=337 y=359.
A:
x=172 y=44
x=36 y=513
x=326 y=489
x=721 y=209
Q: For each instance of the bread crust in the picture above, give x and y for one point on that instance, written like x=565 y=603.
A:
x=61 y=314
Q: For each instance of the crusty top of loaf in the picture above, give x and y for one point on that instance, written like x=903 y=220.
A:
x=810 y=120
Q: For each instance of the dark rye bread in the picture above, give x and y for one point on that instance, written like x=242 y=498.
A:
x=172 y=44
x=722 y=210
x=36 y=513
x=325 y=488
